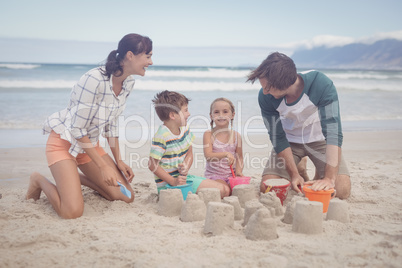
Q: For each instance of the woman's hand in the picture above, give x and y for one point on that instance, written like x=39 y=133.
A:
x=109 y=175
x=126 y=170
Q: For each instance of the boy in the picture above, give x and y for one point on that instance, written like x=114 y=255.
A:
x=171 y=150
x=301 y=113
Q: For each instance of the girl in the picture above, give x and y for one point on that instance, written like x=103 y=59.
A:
x=222 y=145
x=96 y=102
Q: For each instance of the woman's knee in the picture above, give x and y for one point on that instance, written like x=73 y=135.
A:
x=119 y=196
x=72 y=212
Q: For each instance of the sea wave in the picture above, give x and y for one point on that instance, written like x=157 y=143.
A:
x=140 y=85
x=366 y=75
x=200 y=85
x=19 y=66
x=208 y=73
x=195 y=86
x=37 y=83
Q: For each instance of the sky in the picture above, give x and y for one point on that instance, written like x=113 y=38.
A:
x=84 y=31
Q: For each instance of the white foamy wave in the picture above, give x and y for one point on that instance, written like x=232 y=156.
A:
x=20 y=124
x=365 y=76
x=210 y=73
x=194 y=86
x=368 y=85
x=18 y=66
x=347 y=118
x=37 y=84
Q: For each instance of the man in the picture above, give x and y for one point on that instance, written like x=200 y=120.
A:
x=301 y=113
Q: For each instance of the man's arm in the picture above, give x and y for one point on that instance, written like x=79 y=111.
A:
x=333 y=156
x=291 y=168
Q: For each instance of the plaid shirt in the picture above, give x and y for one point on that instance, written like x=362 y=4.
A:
x=93 y=108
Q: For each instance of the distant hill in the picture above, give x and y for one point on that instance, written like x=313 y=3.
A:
x=382 y=55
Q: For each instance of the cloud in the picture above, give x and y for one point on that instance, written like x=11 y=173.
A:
x=335 y=41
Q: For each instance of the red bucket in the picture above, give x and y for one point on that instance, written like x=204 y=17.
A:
x=279 y=186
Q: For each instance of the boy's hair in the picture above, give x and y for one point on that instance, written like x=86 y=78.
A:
x=232 y=108
x=279 y=70
x=166 y=102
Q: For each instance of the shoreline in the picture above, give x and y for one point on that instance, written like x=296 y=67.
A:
x=124 y=235
x=11 y=137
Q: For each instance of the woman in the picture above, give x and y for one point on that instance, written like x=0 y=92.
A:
x=96 y=102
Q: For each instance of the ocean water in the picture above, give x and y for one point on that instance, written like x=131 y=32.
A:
x=369 y=100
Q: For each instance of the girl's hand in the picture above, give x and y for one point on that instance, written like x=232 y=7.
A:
x=180 y=180
x=239 y=174
x=126 y=170
x=109 y=175
x=230 y=158
x=183 y=169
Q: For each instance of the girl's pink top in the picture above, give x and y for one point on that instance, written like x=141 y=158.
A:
x=219 y=169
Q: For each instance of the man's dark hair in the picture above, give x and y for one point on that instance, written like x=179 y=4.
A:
x=279 y=70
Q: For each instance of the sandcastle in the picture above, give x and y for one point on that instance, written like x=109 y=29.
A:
x=209 y=195
x=219 y=216
x=250 y=208
x=290 y=208
x=307 y=217
x=170 y=202
x=194 y=209
x=270 y=200
x=261 y=226
x=338 y=211
x=245 y=192
x=234 y=201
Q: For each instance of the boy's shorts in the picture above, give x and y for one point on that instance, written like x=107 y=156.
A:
x=57 y=150
x=190 y=178
x=314 y=150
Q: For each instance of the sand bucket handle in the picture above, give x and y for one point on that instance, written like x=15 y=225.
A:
x=231 y=169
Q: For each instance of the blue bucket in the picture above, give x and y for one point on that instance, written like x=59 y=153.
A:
x=185 y=188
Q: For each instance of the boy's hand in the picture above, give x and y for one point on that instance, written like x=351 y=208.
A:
x=183 y=169
x=180 y=180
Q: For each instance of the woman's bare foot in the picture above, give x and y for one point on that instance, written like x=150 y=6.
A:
x=34 y=189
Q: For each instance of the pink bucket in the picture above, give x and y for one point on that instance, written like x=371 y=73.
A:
x=238 y=180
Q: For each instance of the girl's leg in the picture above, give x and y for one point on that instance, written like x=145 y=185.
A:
x=92 y=178
x=223 y=187
x=66 y=196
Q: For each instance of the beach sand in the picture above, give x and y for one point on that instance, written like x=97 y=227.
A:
x=116 y=234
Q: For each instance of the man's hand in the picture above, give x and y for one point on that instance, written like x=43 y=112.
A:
x=324 y=184
x=295 y=181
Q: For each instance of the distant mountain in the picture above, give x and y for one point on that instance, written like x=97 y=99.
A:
x=382 y=55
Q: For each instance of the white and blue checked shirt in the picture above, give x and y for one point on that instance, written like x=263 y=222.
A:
x=93 y=109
